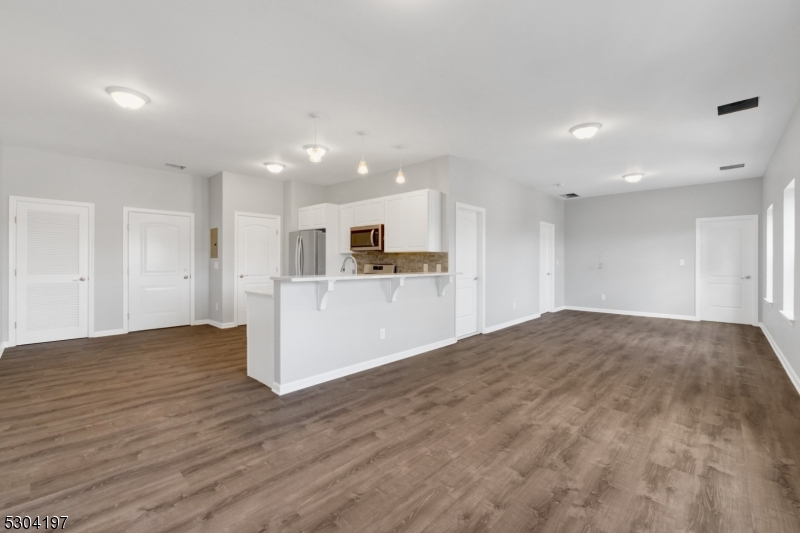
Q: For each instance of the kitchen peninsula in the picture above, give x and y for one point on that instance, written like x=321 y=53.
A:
x=313 y=329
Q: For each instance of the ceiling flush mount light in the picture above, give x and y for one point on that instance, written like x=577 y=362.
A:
x=128 y=98
x=585 y=131
x=315 y=151
x=633 y=178
x=275 y=168
x=362 y=166
x=401 y=178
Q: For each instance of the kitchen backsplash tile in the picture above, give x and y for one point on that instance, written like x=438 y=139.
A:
x=406 y=262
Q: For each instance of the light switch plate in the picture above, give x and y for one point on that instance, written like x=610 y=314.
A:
x=682 y=262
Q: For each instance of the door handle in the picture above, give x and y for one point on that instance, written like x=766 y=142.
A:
x=372 y=238
x=745 y=277
x=81 y=279
x=185 y=277
x=241 y=275
x=475 y=278
x=548 y=273
x=297 y=257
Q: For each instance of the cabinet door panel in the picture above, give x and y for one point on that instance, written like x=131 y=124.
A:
x=375 y=211
x=395 y=225
x=305 y=218
x=416 y=213
x=361 y=214
x=318 y=216
x=346 y=221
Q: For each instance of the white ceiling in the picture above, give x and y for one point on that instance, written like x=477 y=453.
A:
x=496 y=82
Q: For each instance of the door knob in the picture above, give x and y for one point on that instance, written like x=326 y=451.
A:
x=241 y=275
x=475 y=278
x=185 y=277
x=746 y=277
x=81 y=279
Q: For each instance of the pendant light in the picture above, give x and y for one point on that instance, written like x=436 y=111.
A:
x=401 y=178
x=362 y=166
x=315 y=151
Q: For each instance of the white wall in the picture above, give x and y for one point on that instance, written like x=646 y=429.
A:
x=513 y=214
x=215 y=274
x=110 y=187
x=783 y=168
x=642 y=236
x=247 y=194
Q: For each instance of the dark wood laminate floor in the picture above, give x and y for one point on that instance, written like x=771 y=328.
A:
x=575 y=422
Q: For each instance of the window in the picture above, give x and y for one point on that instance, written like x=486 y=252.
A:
x=770 y=254
x=788 y=251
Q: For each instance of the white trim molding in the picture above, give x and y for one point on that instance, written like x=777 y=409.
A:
x=510 y=323
x=304 y=383
x=109 y=332
x=631 y=313
x=201 y=322
x=3 y=346
x=557 y=309
x=221 y=325
x=782 y=358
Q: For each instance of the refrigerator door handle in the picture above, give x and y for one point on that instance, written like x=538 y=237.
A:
x=297 y=257
x=302 y=257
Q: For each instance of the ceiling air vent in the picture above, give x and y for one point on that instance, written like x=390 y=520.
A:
x=570 y=195
x=750 y=103
x=172 y=165
x=731 y=167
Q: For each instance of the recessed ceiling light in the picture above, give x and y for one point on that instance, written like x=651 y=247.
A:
x=275 y=168
x=585 y=131
x=128 y=98
x=633 y=178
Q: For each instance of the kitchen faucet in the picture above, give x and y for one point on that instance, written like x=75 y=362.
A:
x=355 y=265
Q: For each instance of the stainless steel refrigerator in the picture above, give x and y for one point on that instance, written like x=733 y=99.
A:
x=307 y=252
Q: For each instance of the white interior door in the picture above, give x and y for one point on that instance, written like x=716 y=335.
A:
x=159 y=263
x=727 y=269
x=467 y=268
x=257 y=244
x=52 y=272
x=547 y=252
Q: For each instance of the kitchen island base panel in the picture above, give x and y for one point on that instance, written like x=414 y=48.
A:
x=292 y=345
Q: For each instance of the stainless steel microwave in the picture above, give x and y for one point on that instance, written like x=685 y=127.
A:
x=366 y=238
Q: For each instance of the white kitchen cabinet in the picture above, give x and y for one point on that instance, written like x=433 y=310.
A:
x=368 y=212
x=317 y=216
x=413 y=222
x=346 y=221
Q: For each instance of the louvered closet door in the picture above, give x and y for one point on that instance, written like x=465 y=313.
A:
x=52 y=272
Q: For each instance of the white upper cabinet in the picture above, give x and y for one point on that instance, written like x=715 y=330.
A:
x=413 y=222
x=346 y=221
x=318 y=216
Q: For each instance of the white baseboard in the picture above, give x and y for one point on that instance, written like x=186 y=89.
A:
x=510 y=323
x=557 y=309
x=201 y=322
x=631 y=313
x=3 y=346
x=109 y=332
x=220 y=325
x=782 y=358
x=304 y=383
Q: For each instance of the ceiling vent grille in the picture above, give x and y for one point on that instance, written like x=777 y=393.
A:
x=731 y=167
x=173 y=165
x=570 y=195
x=750 y=103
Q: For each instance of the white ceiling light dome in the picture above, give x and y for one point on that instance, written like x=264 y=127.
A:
x=362 y=166
x=128 y=98
x=585 y=131
x=633 y=178
x=275 y=168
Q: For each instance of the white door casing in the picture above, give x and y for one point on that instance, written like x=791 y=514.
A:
x=470 y=268
x=160 y=269
x=51 y=270
x=257 y=256
x=547 y=273
x=727 y=269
